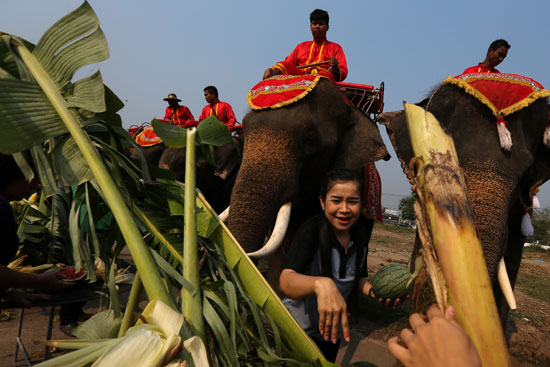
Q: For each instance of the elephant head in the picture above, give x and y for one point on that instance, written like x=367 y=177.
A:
x=288 y=150
x=497 y=180
x=214 y=181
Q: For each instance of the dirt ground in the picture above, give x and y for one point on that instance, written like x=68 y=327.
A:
x=527 y=329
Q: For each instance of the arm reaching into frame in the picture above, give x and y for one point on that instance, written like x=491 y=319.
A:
x=437 y=340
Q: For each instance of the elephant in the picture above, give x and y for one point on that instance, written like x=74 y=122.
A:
x=287 y=151
x=499 y=182
x=215 y=182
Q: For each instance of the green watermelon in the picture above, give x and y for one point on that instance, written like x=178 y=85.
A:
x=392 y=281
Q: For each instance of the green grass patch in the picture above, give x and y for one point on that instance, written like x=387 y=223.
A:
x=521 y=316
x=535 y=285
x=395 y=229
x=536 y=248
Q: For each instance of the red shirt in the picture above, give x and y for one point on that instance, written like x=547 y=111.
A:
x=222 y=111
x=480 y=68
x=180 y=117
x=310 y=52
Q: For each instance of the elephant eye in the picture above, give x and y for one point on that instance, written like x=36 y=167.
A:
x=310 y=137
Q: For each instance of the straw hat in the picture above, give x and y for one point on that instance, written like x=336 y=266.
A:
x=172 y=96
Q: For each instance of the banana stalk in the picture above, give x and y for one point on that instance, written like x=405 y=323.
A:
x=191 y=303
x=447 y=226
x=151 y=278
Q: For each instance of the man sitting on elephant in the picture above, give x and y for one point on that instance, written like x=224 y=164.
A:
x=222 y=110
x=328 y=57
x=176 y=114
x=495 y=55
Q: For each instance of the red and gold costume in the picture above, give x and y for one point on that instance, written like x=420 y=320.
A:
x=222 y=110
x=480 y=68
x=180 y=117
x=310 y=52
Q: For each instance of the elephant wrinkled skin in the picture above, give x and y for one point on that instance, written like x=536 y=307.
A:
x=496 y=179
x=287 y=151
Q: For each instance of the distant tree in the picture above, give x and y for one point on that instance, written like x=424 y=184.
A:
x=540 y=218
x=406 y=206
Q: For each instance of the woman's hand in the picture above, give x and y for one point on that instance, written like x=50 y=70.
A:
x=437 y=341
x=367 y=290
x=333 y=309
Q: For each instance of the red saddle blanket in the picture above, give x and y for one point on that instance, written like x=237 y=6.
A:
x=281 y=90
x=503 y=93
x=147 y=137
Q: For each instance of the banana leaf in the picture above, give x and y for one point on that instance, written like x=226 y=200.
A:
x=44 y=105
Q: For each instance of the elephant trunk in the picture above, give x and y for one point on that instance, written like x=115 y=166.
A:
x=490 y=193
x=262 y=186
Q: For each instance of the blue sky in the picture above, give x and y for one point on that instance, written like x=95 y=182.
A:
x=158 y=47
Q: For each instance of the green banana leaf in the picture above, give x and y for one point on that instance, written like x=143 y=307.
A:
x=260 y=291
x=42 y=104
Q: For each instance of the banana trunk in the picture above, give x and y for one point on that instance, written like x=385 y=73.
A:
x=451 y=248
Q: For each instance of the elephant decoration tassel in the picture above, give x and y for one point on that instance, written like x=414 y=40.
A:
x=504 y=135
x=526 y=225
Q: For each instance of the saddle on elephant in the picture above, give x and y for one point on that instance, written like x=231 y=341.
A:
x=503 y=94
x=282 y=90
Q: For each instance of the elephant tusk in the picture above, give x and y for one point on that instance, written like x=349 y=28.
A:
x=224 y=215
x=279 y=231
x=505 y=285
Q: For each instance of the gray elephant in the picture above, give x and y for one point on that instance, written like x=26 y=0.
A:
x=215 y=181
x=499 y=181
x=287 y=151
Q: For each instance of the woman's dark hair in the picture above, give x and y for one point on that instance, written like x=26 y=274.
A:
x=318 y=14
x=338 y=176
x=326 y=234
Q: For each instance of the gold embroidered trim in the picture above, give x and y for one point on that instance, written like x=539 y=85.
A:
x=306 y=89
x=506 y=111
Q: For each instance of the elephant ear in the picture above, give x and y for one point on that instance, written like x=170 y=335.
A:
x=361 y=142
x=396 y=127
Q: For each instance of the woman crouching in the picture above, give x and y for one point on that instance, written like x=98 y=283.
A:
x=328 y=262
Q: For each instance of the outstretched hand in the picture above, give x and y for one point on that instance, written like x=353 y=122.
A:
x=52 y=281
x=332 y=309
x=436 y=341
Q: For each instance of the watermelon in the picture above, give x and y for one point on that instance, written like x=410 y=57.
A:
x=392 y=281
x=71 y=275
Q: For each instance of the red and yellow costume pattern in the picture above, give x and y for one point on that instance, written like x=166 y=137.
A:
x=180 y=117
x=480 y=68
x=310 y=52
x=222 y=110
x=280 y=90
